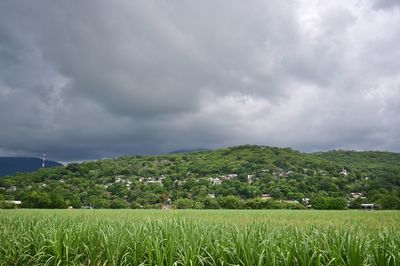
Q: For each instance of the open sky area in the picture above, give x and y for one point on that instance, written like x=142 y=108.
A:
x=96 y=78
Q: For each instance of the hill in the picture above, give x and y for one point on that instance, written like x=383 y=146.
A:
x=238 y=177
x=12 y=165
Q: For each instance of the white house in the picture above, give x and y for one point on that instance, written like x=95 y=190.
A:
x=305 y=200
x=12 y=188
x=16 y=202
x=266 y=196
x=215 y=181
x=344 y=172
x=355 y=195
x=231 y=176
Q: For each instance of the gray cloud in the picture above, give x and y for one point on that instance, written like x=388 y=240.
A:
x=385 y=4
x=104 y=79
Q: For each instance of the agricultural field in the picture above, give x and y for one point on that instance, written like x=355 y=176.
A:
x=199 y=237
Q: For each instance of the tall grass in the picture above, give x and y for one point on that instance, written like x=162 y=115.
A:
x=39 y=237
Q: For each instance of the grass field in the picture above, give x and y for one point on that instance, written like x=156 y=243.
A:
x=199 y=237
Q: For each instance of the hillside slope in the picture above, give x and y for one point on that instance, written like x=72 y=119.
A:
x=233 y=177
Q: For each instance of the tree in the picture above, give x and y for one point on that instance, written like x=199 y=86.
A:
x=230 y=202
x=57 y=201
x=37 y=199
x=184 y=204
x=390 y=201
x=256 y=203
x=320 y=203
x=329 y=203
x=337 y=203
x=211 y=203
x=119 y=204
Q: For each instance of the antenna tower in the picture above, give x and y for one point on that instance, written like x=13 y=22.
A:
x=44 y=160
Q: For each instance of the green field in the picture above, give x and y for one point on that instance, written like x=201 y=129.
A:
x=199 y=237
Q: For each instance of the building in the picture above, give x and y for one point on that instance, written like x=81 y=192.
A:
x=12 y=188
x=231 y=176
x=368 y=206
x=305 y=201
x=15 y=202
x=355 y=195
x=266 y=196
x=344 y=172
x=215 y=181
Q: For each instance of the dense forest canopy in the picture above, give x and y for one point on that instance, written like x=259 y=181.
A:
x=246 y=176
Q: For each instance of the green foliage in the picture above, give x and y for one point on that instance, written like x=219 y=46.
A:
x=119 y=204
x=246 y=172
x=231 y=202
x=209 y=203
x=329 y=203
x=390 y=201
x=7 y=205
x=187 y=204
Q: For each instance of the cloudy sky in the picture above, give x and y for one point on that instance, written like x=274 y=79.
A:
x=98 y=78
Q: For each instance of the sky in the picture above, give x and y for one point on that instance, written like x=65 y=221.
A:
x=99 y=79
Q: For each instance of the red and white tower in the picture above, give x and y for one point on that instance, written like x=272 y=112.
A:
x=44 y=160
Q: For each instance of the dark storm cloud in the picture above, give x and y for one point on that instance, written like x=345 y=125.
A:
x=100 y=78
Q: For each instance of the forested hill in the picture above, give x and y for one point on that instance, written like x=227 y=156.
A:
x=367 y=159
x=12 y=165
x=237 y=177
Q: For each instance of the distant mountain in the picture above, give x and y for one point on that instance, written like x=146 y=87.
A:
x=12 y=165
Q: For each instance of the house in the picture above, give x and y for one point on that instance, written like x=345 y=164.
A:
x=128 y=183
x=120 y=179
x=15 y=202
x=151 y=180
x=368 y=206
x=12 y=188
x=230 y=176
x=87 y=207
x=212 y=195
x=344 y=172
x=250 y=179
x=305 y=201
x=266 y=196
x=215 y=181
x=355 y=195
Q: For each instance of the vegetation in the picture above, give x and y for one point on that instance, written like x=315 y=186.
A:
x=231 y=178
x=223 y=237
